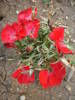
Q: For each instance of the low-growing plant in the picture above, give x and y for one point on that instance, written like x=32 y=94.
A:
x=39 y=49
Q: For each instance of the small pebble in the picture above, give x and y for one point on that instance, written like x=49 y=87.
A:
x=69 y=36
x=22 y=97
x=33 y=0
x=73 y=40
x=68 y=88
x=53 y=98
x=18 y=89
x=59 y=95
x=30 y=95
x=26 y=87
x=73 y=17
x=66 y=17
x=47 y=92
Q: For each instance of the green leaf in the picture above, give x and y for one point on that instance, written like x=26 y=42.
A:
x=18 y=43
x=69 y=46
x=46 y=1
x=72 y=62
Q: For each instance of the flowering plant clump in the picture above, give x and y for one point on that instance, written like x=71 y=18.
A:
x=38 y=48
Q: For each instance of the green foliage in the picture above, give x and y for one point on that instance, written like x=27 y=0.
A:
x=46 y=1
x=37 y=52
x=72 y=62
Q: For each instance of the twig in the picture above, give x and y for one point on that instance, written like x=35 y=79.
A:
x=65 y=62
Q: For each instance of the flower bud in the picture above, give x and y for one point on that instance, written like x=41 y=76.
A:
x=29 y=48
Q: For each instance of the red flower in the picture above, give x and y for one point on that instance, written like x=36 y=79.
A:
x=8 y=36
x=12 y=33
x=58 y=70
x=54 y=78
x=26 y=26
x=58 y=36
x=19 y=29
x=27 y=14
x=16 y=73
x=23 y=75
x=31 y=28
x=62 y=48
x=44 y=78
x=57 y=75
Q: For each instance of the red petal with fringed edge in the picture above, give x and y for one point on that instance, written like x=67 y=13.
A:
x=58 y=68
x=8 y=36
x=57 y=34
x=53 y=80
x=16 y=73
x=23 y=76
x=25 y=15
x=43 y=77
x=62 y=48
x=34 y=33
x=20 y=31
x=31 y=28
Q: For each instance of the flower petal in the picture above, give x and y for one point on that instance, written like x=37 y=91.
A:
x=8 y=35
x=58 y=70
x=20 y=78
x=62 y=48
x=57 y=34
x=31 y=28
x=56 y=65
x=20 y=31
x=53 y=80
x=25 y=15
x=36 y=24
x=16 y=73
x=26 y=78
x=31 y=77
x=43 y=77
x=23 y=76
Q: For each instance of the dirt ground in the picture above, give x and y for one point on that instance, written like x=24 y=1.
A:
x=9 y=88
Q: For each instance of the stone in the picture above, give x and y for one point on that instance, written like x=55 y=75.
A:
x=22 y=97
